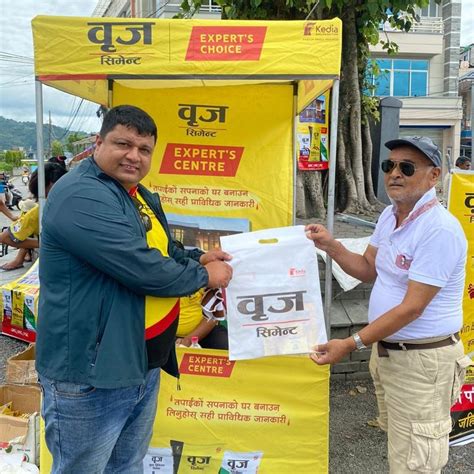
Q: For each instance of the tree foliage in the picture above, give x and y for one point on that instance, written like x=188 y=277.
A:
x=361 y=21
x=57 y=148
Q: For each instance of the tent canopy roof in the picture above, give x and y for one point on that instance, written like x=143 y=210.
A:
x=82 y=56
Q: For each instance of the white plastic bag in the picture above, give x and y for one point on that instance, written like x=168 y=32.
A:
x=274 y=299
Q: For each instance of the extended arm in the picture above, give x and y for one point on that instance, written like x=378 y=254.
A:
x=416 y=299
x=359 y=266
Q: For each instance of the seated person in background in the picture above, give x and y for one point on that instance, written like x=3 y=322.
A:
x=192 y=322
x=60 y=160
x=19 y=233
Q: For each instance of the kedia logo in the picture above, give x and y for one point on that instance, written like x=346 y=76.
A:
x=308 y=28
x=312 y=28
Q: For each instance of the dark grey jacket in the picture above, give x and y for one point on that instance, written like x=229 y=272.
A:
x=95 y=271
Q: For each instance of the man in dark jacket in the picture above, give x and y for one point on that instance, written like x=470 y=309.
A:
x=111 y=279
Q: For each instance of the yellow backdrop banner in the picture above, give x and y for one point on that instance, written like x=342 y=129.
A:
x=270 y=414
x=272 y=411
x=224 y=155
x=461 y=205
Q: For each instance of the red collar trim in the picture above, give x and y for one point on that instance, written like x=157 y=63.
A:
x=133 y=191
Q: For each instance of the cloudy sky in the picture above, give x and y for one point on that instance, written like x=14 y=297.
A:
x=17 y=93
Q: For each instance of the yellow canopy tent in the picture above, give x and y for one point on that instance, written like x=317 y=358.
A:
x=225 y=96
x=146 y=61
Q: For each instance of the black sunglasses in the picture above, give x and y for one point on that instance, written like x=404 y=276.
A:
x=144 y=217
x=406 y=167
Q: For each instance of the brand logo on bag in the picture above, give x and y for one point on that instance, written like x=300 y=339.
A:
x=226 y=43
x=113 y=35
x=209 y=366
x=296 y=272
x=197 y=116
x=202 y=160
x=258 y=305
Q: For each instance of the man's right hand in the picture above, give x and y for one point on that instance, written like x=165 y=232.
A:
x=321 y=237
x=220 y=274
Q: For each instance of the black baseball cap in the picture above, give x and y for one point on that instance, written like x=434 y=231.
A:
x=423 y=144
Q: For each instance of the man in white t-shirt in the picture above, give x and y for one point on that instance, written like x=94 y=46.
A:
x=417 y=258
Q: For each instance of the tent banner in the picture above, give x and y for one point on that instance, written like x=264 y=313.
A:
x=97 y=47
x=223 y=160
x=312 y=134
x=461 y=205
x=267 y=415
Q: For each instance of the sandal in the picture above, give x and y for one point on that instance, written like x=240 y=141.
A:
x=16 y=267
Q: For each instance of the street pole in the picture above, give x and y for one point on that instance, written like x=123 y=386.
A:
x=331 y=202
x=39 y=147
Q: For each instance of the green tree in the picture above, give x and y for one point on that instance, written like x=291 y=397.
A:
x=361 y=20
x=74 y=137
x=14 y=157
x=57 y=148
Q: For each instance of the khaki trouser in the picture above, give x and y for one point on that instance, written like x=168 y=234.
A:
x=415 y=390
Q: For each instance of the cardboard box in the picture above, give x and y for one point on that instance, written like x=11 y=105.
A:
x=21 y=367
x=19 y=434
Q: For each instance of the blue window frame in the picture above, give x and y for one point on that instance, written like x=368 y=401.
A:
x=401 y=78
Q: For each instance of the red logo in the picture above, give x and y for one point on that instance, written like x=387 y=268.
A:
x=209 y=366
x=470 y=291
x=226 y=43
x=297 y=272
x=308 y=28
x=203 y=160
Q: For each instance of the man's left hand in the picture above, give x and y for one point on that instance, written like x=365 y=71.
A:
x=213 y=256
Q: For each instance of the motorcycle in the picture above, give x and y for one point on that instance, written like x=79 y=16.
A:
x=13 y=196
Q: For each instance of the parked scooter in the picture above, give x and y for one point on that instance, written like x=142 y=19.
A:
x=13 y=196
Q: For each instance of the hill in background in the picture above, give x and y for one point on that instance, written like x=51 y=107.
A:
x=23 y=134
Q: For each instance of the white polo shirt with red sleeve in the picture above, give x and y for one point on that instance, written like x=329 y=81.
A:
x=428 y=247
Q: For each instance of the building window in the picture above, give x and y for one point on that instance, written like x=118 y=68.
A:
x=401 y=78
x=431 y=10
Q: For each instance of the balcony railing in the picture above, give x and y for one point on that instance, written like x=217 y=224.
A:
x=427 y=24
x=206 y=7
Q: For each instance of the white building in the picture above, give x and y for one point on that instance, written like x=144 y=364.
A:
x=424 y=75
x=152 y=9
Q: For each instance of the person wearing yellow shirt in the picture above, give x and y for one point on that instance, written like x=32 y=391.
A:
x=211 y=335
x=23 y=233
x=192 y=322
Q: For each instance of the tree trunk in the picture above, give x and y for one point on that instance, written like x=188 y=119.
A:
x=299 y=196
x=367 y=161
x=313 y=194
x=351 y=105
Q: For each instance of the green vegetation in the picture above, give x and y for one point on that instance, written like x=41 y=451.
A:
x=15 y=134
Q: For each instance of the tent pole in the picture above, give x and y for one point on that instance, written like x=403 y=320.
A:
x=39 y=147
x=331 y=204
x=293 y=158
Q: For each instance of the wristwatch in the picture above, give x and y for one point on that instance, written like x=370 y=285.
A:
x=358 y=342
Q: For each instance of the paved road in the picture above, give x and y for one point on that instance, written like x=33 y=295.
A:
x=355 y=447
